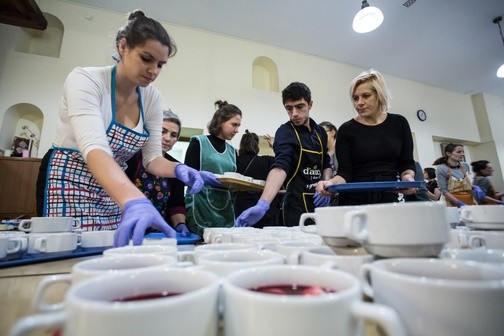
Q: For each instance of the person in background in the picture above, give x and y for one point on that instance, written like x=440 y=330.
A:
x=453 y=179
x=374 y=146
x=167 y=194
x=249 y=163
x=422 y=193
x=213 y=206
x=482 y=169
x=106 y=115
x=301 y=160
x=332 y=132
x=433 y=191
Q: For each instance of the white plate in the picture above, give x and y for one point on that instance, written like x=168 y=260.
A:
x=484 y=226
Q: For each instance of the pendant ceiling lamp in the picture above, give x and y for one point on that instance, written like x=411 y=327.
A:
x=497 y=20
x=367 y=19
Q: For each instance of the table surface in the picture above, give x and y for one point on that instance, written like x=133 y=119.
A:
x=18 y=285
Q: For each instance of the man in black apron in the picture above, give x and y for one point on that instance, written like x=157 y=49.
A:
x=301 y=160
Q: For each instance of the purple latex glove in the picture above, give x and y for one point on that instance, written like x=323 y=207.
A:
x=139 y=214
x=478 y=193
x=189 y=176
x=460 y=204
x=321 y=201
x=182 y=229
x=209 y=178
x=253 y=214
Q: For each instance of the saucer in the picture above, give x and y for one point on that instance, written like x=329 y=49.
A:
x=484 y=225
x=340 y=242
x=404 y=251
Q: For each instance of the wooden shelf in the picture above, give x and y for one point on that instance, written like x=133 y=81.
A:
x=18 y=180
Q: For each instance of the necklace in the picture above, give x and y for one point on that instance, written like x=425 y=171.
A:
x=455 y=166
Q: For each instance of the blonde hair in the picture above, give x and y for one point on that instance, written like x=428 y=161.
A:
x=377 y=82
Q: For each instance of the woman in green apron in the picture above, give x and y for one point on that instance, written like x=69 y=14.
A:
x=213 y=206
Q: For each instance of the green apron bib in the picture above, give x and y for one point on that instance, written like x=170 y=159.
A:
x=211 y=207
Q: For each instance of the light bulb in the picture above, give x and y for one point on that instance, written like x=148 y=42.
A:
x=367 y=19
x=500 y=71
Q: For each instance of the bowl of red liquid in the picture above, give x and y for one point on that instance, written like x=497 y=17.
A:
x=299 y=300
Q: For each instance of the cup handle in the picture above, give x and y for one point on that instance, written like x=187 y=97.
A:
x=355 y=230
x=25 y=225
x=40 y=244
x=473 y=240
x=365 y=277
x=27 y=324
x=302 y=220
x=186 y=258
x=76 y=224
x=294 y=258
x=382 y=315
x=38 y=302
x=17 y=242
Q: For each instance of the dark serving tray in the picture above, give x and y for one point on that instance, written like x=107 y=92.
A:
x=28 y=259
x=374 y=186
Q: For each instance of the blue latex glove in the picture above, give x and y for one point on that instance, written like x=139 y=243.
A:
x=139 y=214
x=252 y=215
x=460 y=204
x=189 y=176
x=478 y=193
x=209 y=178
x=321 y=201
x=182 y=229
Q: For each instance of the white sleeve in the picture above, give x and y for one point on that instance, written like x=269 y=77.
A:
x=84 y=99
x=153 y=114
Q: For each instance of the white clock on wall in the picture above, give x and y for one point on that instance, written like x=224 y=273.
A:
x=422 y=116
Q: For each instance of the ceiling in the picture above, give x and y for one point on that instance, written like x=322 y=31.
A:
x=449 y=44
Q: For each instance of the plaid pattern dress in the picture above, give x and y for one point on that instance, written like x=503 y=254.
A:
x=71 y=189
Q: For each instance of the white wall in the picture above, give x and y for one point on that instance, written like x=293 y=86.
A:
x=209 y=67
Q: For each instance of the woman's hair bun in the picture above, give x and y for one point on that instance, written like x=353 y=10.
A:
x=136 y=14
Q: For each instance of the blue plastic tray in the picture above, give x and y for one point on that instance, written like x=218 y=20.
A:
x=374 y=186
x=181 y=240
x=28 y=259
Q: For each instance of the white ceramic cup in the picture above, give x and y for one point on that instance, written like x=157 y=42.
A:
x=478 y=255
x=13 y=243
x=252 y=313
x=142 y=249
x=452 y=216
x=90 y=307
x=458 y=238
x=488 y=214
x=292 y=250
x=97 y=267
x=439 y=297
x=324 y=256
x=103 y=238
x=225 y=262
x=49 y=224
x=160 y=241
x=233 y=175
x=488 y=239
x=8 y=246
x=192 y=256
x=416 y=229
x=329 y=223
x=53 y=242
